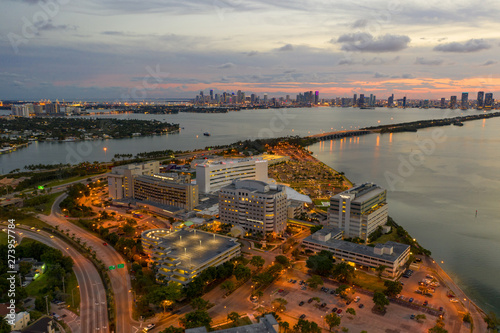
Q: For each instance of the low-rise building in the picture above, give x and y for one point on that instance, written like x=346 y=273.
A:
x=266 y=324
x=18 y=321
x=254 y=205
x=181 y=254
x=391 y=254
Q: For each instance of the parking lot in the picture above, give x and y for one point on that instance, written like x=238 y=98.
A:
x=396 y=319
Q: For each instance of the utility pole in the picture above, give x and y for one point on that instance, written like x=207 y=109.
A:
x=47 y=304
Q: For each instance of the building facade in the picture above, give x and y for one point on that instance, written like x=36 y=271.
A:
x=182 y=254
x=359 y=211
x=121 y=178
x=212 y=175
x=391 y=254
x=166 y=189
x=254 y=205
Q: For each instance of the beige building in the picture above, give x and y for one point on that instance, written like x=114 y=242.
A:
x=254 y=205
x=121 y=178
x=166 y=189
x=182 y=254
x=359 y=211
x=391 y=254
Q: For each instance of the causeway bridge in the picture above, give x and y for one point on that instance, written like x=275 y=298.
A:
x=339 y=134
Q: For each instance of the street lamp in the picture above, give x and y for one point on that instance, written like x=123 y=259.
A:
x=72 y=297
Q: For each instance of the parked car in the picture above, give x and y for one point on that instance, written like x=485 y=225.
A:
x=302 y=316
x=334 y=309
x=425 y=303
x=339 y=311
x=301 y=303
x=309 y=300
x=323 y=305
x=412 y=316
x=410 y=300
x=361 y=306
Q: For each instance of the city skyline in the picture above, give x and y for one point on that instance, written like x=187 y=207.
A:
x=102 y=50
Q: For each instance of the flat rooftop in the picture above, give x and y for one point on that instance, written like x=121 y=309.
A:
x=360 y=249
x=194 y=247
x=362 y=192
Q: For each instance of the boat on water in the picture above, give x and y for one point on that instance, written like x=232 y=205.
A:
x=206 y=134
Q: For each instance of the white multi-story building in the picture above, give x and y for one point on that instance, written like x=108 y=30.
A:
x=359 y=211
x=212 y=175
x=121 y=178
x=254 y=205
x=182 y=254
x=391 y=254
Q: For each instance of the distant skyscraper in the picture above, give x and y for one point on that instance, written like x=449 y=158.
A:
x=465 y=100
x=252 y=98
x=316 y=97
x=211 y=94
x=443 y=102
x=453 y=102
x=265 y=98
x=488 y=100
x=361 y=101
x=480 y=100
x=355 y=100
x=404 y=102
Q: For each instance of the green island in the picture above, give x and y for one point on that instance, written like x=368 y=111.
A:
x=78 y=128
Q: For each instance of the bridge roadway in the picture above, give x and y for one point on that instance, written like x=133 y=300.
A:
x=339 y=134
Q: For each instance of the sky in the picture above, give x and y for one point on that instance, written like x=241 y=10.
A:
x=141 y=49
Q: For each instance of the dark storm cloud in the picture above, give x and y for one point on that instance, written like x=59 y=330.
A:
x=472 y=45
x=365 y=42
x=429 y=62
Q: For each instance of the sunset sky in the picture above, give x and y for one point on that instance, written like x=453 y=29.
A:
x=107 y=49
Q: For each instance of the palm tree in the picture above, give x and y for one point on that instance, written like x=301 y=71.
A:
x=285 y=325
x=234 y=317
x=380 y=270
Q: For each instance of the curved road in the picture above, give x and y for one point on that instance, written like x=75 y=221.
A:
x=93 y=308
x=120 y=279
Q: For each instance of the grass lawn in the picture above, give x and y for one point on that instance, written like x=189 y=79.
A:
x=69 y=180
x=369 y=282
x=241 y=322
x=46 y=207
x=3 y=238
x=37 y=287
x=32 y=221
x=392 y=236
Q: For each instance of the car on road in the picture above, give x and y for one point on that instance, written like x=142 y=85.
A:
x=149 y=327
x=410 y=300
x=105 y=244
x=453 y=300
x=302 y=316
x=301 y=303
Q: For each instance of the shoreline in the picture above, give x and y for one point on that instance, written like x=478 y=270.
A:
x=476 y=311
